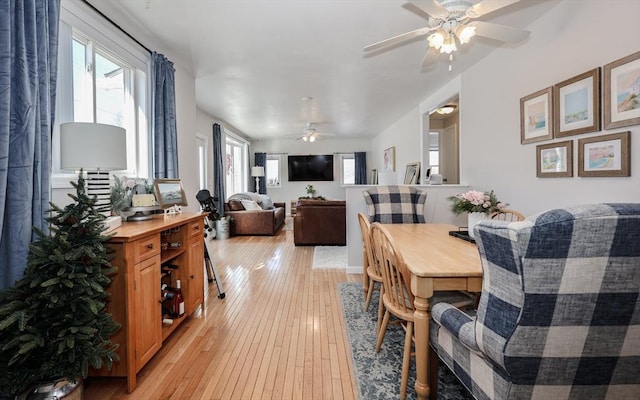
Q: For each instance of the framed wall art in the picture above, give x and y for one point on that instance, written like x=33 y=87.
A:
x=606 y=155
x=554 y=160
x=169 y=192
x=412 y=173
x=622 y=92
x=390 y=159
x=536 y=116
x=576 y=104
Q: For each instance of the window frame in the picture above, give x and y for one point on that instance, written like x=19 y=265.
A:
x=343 y=157
x=77 y=20
x=278 y=158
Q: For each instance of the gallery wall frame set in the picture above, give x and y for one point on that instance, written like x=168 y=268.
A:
x=573 y=106
x=554 y=160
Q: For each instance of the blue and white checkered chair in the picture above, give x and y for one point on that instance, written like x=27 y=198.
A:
x=395 y=204
x=559 y=313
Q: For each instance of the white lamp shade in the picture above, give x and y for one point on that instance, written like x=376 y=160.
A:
x=92 y=146
x=257 y=171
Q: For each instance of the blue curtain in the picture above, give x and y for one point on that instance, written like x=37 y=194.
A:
x=218 y=168
x=361 y=167
x=28 y=71
x=165 y=133
x=261 y=161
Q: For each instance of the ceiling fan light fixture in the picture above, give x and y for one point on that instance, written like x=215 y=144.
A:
x=436 y=40
x=449 y=45
x=446 y=109
x=305 y=138
x=312 y=138
x=465 y=33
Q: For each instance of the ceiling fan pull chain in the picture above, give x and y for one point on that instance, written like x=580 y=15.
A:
x=450 y=61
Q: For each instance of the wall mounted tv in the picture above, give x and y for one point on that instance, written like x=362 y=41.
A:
x=311 y=168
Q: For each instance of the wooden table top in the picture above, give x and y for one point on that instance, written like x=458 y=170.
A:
x=429 y=250
x=133 y=230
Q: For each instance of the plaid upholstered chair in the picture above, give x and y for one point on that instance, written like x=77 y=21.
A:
x=395 y=204
x=559 y=313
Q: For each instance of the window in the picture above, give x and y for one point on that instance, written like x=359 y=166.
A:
x=201 y=143
x=236 y=165
x=103 y=78
x=273 y=170
x=434 y=152
x=348 y=163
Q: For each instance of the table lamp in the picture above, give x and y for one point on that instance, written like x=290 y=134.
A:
x=98 y=149
x=257 y=172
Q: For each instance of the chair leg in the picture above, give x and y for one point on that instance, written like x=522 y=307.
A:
x=380 y=308
x=433 y=374
x=406 y=361
x=369 y=295
x=382 y=330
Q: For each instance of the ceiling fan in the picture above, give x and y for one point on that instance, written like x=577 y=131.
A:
x=452 y=19
x=310 y=134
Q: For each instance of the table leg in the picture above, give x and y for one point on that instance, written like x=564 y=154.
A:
x=422 y=288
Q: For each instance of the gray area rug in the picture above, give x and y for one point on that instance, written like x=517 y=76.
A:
x=378 y=375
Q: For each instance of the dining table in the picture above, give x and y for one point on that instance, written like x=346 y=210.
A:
x=437 y=261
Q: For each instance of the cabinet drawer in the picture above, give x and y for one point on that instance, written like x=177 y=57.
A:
x=195 y=228
x=145 y=248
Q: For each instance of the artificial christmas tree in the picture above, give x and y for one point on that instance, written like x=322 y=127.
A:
x=53 y=323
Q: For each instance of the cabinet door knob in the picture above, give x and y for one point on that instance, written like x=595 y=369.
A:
x=192 y=276
x=150 y=246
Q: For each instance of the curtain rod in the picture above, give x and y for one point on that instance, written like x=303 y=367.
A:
x=278 y=154
x=116 y=25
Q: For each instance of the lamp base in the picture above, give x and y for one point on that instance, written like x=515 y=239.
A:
x=98 y=185
x=257 y=184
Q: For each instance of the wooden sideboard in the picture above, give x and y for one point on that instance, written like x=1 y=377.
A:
x=136 y=299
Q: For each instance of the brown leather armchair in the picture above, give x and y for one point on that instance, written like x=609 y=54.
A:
x=256 y=222
x=320 y=222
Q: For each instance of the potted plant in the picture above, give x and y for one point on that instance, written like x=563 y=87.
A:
x=53 y=323
x=478 y=205
x=311 y=194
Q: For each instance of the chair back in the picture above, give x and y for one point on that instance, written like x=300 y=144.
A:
x=560 y=303
x=396 y=279
x=508 y=215
x=369 y=258
x=395 y=204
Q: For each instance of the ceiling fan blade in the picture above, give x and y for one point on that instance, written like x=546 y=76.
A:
x=500 y=32
x=398 y=39
x=429 y=58
x=487 y=6
x=431 y=7
x=324 y=134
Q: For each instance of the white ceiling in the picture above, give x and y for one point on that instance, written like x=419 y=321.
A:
x=255 y=60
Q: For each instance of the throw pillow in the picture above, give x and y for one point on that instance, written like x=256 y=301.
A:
x=250 y=205
x=267 y=204
x=235 y=205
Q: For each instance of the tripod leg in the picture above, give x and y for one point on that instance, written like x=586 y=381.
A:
x=212 y=270
x=208 y=267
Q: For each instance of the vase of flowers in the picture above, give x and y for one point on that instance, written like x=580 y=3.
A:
x=478 y=205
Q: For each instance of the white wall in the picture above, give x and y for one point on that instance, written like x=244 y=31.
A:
x=292 y=190
x=564 y=44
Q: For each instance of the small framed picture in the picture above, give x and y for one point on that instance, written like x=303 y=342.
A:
x=373 y=178
x=606 y=155
x=389 y=159
x=622 y=92
x=554 y=160
x=536 y=116
x=412 y=173
x=576 y=104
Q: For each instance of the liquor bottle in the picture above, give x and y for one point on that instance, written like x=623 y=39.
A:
x=178 y=300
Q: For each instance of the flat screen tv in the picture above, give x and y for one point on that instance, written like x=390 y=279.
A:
x=311 y=168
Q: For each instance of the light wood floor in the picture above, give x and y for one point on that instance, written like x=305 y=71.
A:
x=278 y=334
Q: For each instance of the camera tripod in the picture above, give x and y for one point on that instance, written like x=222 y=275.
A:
x=207 y=204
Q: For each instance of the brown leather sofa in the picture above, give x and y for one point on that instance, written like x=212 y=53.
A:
x=256 y=222
x=320 y=222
